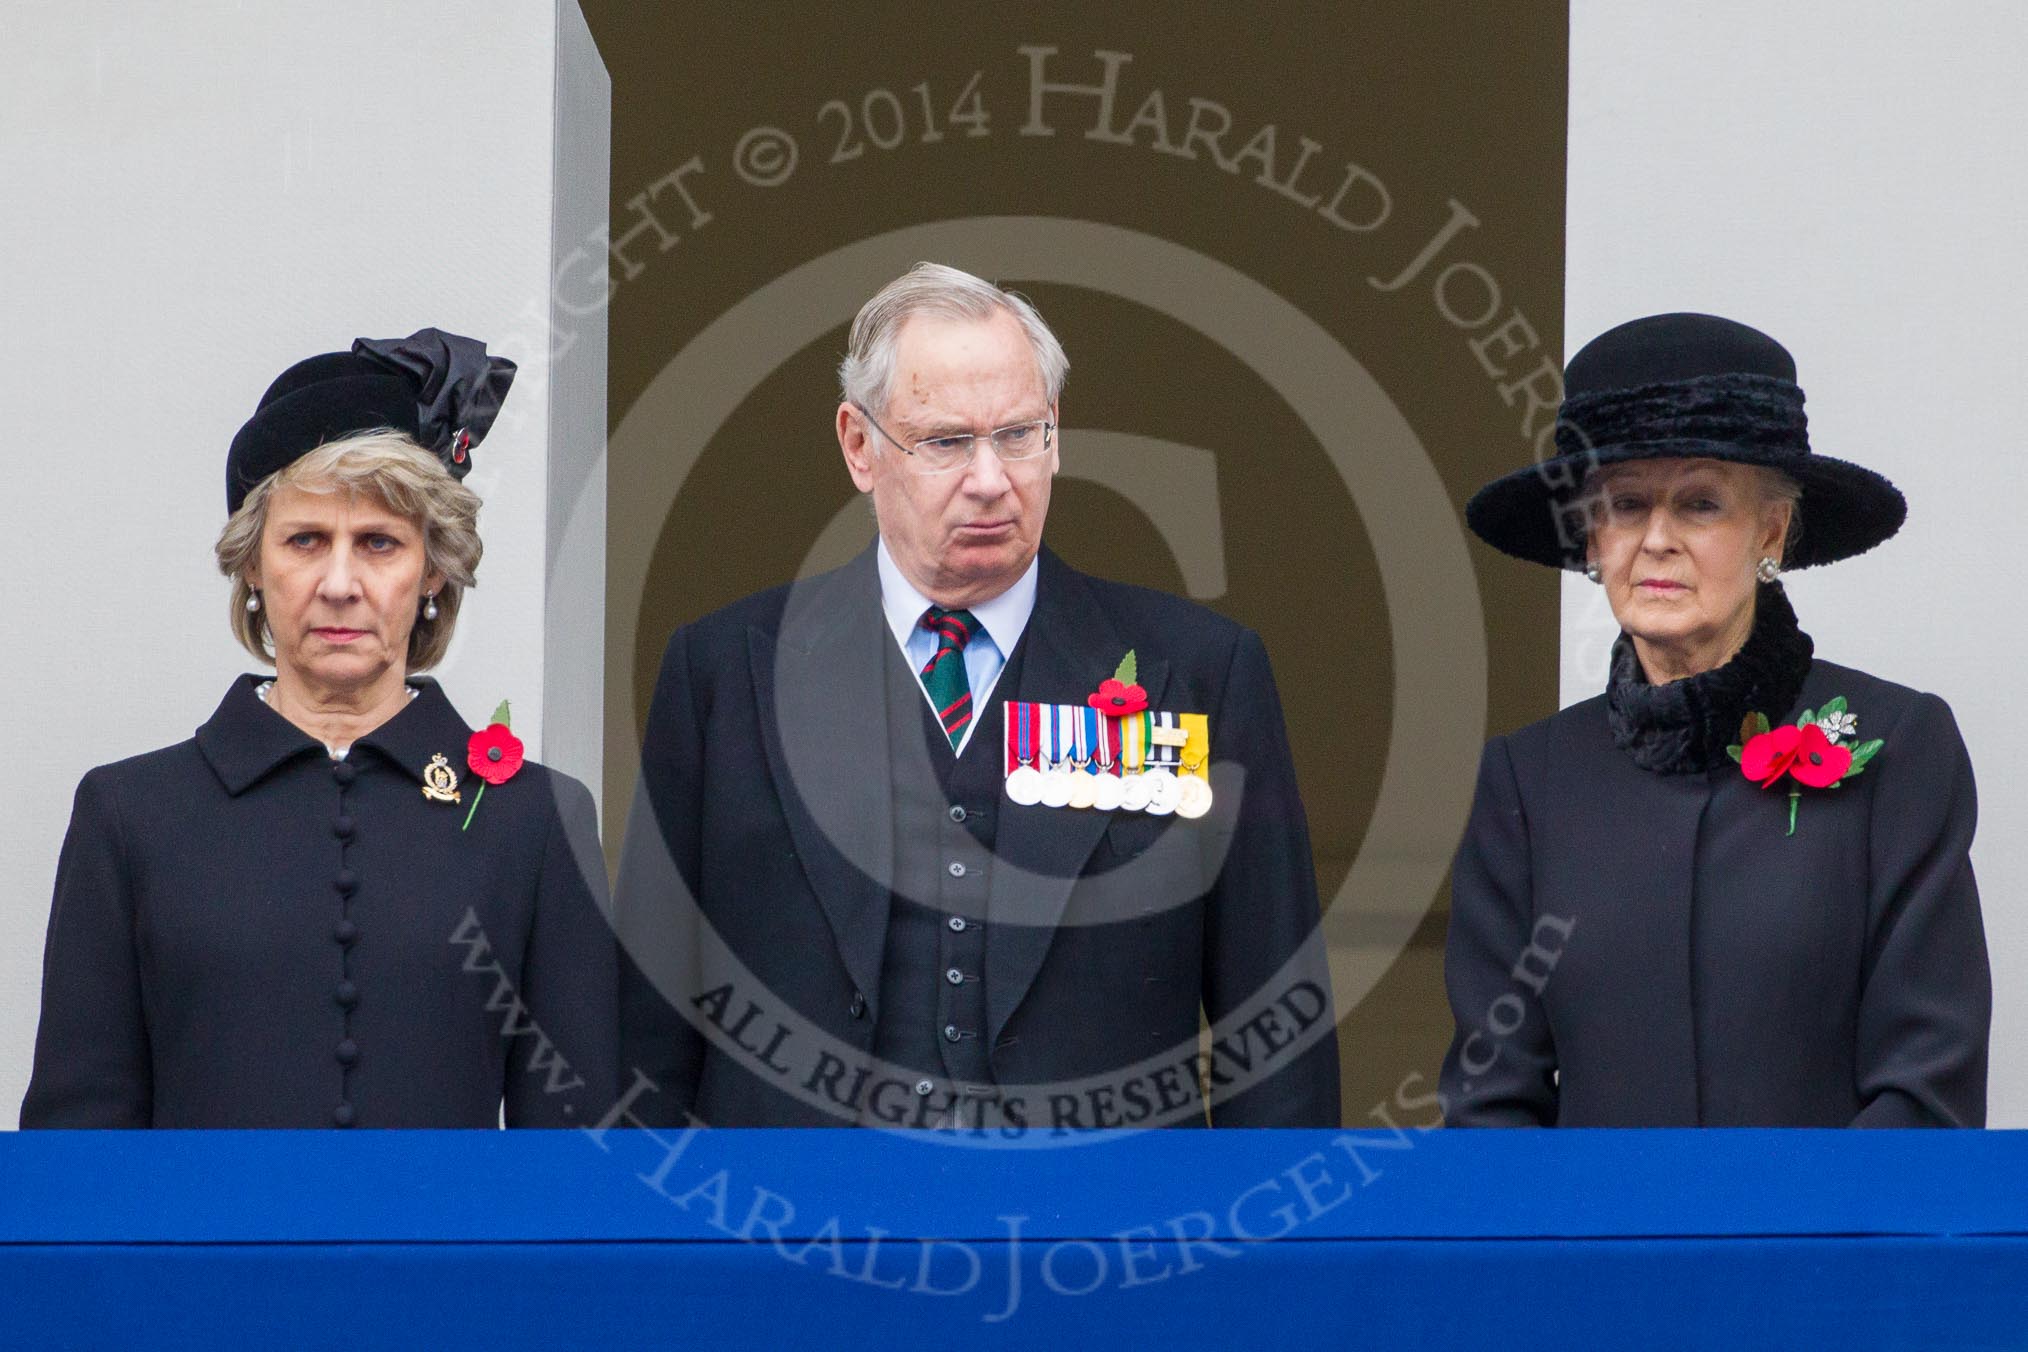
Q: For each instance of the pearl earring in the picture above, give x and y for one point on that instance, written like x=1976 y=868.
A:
x=430 y=607
x=1770 y=568
x=1591 y=572
x=253 y=603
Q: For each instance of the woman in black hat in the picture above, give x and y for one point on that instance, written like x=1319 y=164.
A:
x=337 y=905
x=1736 y=888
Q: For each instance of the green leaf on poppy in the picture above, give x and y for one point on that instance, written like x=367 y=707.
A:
x=501 y=716
x=1809 y=717
x=1754 y=725
x=1864 y=752
x=1834 y=705
x=1735 y=751
x=1128 y=670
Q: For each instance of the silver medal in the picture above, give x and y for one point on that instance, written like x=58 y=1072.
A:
x=1163 y=792
x=1024 y=785
x=1107 y=792
x=1134 y=792
x=1056 y=787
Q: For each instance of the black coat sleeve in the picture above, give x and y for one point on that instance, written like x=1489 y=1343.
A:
x=569 y=978
x=1488 y=1079
x=1926 y=1003
x=92 y=1062
x=657 y=911
x=1263 y=914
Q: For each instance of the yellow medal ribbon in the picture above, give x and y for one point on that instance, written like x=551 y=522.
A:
x=1133 y=742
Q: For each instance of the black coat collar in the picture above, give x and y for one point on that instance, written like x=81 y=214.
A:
x=1685 y=726
x=244 y=739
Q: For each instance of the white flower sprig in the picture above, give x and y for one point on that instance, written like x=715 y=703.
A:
x=1839 y=725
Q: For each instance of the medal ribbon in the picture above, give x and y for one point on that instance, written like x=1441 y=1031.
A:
x=1197 y=751
x=1164 y=755
x=1020 y=734
x=1133 y=742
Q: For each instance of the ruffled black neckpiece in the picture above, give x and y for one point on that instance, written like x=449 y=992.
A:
x=1684 y=727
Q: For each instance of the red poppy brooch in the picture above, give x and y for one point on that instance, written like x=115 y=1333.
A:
x=1118 y=696
x=494 y=755
x=1816 y=752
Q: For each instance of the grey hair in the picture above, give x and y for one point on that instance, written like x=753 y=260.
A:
x=866 y=375
x=1776 y=486
x=413 y=483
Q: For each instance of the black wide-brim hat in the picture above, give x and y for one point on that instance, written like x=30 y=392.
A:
x=439 y=388
x=1686 y=386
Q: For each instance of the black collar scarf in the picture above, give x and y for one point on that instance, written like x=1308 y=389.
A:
x=1685 y=726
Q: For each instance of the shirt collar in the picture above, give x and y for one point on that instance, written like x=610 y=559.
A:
x=245 y=739
x=1004 y=618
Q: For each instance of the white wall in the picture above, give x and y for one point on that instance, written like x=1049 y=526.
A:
x=196 y=195
x=1849 y=176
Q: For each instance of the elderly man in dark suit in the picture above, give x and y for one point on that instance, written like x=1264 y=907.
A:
x=908 y=850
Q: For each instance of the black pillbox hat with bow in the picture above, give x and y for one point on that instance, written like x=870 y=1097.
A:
x=439 y=388
x=1688 y=386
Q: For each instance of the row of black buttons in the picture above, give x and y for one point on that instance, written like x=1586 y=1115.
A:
x=345 y=933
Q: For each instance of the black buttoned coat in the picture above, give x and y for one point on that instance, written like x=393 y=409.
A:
x=1630 y=948
x=760 y=852
x=247 y=933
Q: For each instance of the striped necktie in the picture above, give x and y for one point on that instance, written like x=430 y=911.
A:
x=950 y=690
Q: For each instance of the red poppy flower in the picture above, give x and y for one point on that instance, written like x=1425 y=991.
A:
x=1768 y=757
x=1818 y=763
x=494 y=753
x=1117 y=699
x=1804 y=753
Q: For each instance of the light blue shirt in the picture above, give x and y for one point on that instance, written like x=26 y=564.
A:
x=1001 y=621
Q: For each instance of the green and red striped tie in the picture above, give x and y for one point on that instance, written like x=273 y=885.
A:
x=950 y=690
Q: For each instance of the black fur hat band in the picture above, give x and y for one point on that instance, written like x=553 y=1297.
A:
x=439 y=388
x=1683 y=386
x=1737 y=409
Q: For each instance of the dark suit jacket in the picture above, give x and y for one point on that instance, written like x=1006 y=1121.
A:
x=246 y=933
x=766 y=797
x=1638 y=949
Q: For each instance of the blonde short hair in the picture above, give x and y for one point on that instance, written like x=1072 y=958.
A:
x=388 y=466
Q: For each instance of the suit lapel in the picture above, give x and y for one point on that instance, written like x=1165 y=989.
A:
x=1070 y=645
x=822 y=703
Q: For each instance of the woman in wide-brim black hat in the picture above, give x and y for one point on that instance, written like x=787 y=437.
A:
x=1736 y=888
x=306 y=915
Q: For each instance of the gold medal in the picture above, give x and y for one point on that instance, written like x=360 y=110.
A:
x=1193 y=797
x=1083 y=789
x=440 y=781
